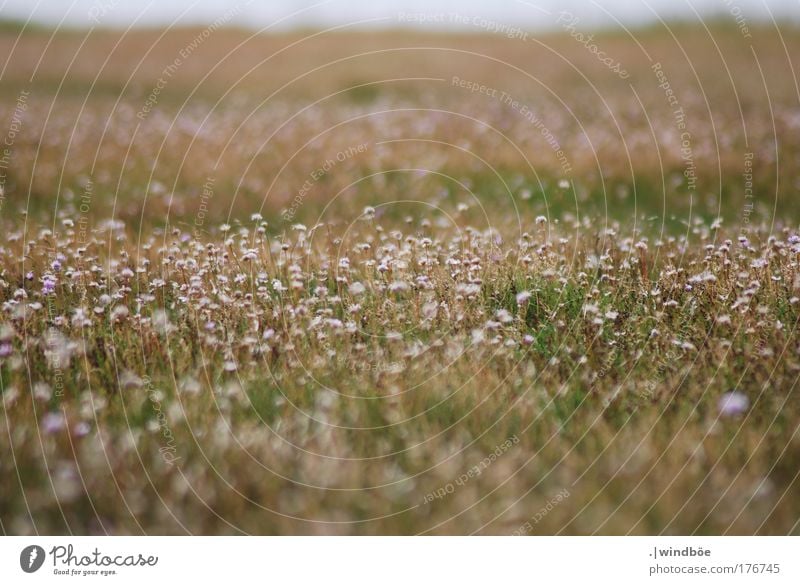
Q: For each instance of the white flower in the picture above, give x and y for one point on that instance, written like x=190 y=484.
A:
x=161 y=322
x=119 y=313
x=429 y=310
x=503 y=316
x=357 y=288
x=591 y=308
x=42 y=391
x=468 y=290
x=399 y=286
x=7 y=332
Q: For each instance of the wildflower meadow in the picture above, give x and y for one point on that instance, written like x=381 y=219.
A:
x=400 y=282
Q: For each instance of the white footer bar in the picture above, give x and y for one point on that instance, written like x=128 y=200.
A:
x=406 y=561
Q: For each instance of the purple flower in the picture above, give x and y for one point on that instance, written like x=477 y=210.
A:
x=48 y=285
x=29 y=275
x=52 y=422
x=5 y=349
x=81 y=429
x=56 y=265
x=733 y=404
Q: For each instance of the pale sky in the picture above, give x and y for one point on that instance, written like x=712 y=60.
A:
x=529 y=14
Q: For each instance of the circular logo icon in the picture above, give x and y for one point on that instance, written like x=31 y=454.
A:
x=31 y=558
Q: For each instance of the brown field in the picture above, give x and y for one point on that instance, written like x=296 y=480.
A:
x=315 y=286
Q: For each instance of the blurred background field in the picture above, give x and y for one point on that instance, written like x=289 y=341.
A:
x=259 y=113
